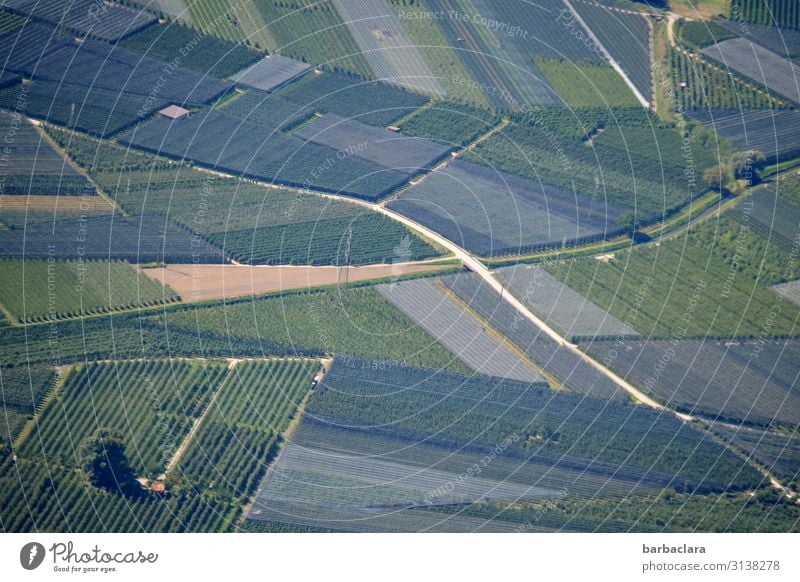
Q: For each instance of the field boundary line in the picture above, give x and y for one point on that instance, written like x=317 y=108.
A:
x=116 y=208
x=187 y=440
x=611 y=60
x=499 y=337
x=286 y=435
x=63 y=372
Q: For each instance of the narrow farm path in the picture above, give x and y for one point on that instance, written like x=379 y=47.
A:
x=611 y=61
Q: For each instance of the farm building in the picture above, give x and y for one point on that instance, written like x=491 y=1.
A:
x=174 y=112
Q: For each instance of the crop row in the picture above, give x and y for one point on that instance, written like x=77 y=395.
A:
x=736 y=380
x=38 y=290
x=373 y=239
x=766 y=68
x=780 y=13
x=138 y=239
x=150 y=403
x=493 y=213
x=227 y=143
x=456 y=330
x=776 y=134
x=111 y=23
x=239 y=435
x=385 y=44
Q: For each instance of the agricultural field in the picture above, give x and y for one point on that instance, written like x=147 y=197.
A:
x=136 y=239
x=111 y=23
x=22 y=390
x=778 y=451
x=546 y=445
x=562 y=368
x=426 y=302
x=151 y=403
x=312 y=31
x=344 y=321
x=776 y=134
x=783 y=41
x=269 y=110
x=746 y=381
x=626 y=37
x=270 y=73
x=9 y=21
x=237 y=215
x=124 y=72
x=370 y=102
x=449 y=123
x=98 y=112
x=700 y=87
x=781 y=13
x=499 y=60
x=26 y=45
x=635 y=176
x=387 y=47
x=385 y=148
x=19 y=211
x=776 y=218
x=492 y=213
x=766 y=68
x=241 y=432
x=30 y=164
x=231 y=21
x=204 y=282
x=40 y=290
x=586 y=84
x=385 y=44
x=189 y=48
x=176 y=9
x=225 y=143
x=559 y=306
x=723 y=267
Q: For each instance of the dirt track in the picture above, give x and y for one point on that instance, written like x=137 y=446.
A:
x=202 y=282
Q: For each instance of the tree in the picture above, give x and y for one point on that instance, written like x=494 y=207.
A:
x=628 y=221
x=744 y=165
x=718 y=178
x=105 y=463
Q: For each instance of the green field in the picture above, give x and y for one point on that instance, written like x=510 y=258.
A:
x=313 y=32
x=782 y=13
x=723 y=266
x=707 y=86
x=443 y=60
x=204 y=54
x=451 y=123
x=40 y=290
x=586 y=84
x=152 y=404
x=242 y=431
x=634 y=172
x=241 y=217
x=356 y=321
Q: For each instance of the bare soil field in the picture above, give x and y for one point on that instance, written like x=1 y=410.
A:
x=203 y=282
x=93 y=204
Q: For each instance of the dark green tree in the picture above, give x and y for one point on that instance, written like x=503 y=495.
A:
x=105 y=463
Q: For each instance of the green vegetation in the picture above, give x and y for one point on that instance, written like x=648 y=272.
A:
x=700 y=34
x=313 y=32
x=22 y=389
x=667 y=512
x=150 y=404
x=700 y=85
x=241 y=433
x=724 y=266
x=240 y=217
x=354 y=321
x=230 y=20
x=781 y=13
x=440 y=56
x=194 y=50
x=9 y=21
x=631 y=174
x=586 y=84
x=40 y=290
x=451 y=123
